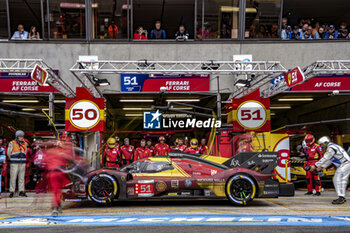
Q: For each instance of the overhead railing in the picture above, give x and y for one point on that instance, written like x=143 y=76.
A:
x=27 y=65
x=86 y=71
x=277 y=85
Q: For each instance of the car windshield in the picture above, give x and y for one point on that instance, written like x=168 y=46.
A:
x=147 y=167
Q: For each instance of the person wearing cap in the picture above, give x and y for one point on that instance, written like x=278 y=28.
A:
x=180 y=146
x=16 y=152
x=142 y=151
x=127 y=152
x=343 y=34
x=111 y=155
x=150 y=147
x=286 y=33
x=331 y=33
x=161 y=148
x=296 y=34
x=193 y=149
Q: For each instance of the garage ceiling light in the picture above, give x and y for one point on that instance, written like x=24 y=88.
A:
x=133 y=115
x=183 y=100
x=59 y=101
x=136 y=100
x=136 y=109
x=182 y=108
x=28 y=109
x=296 y=99
x=20 y=101
x=280 y=107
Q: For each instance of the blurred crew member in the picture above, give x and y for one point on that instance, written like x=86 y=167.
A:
x=2 y=162
x=16 y=153
x=3 y=151
x=314 y=153
x=180 y=145
x=161 y=148
x=56 y=160
x=193 y=149
x=203 y=148
x=142 y=151
x=117 y=145
x=111 y=155
x=339 y=157
x=150 y=147
x=127 y=152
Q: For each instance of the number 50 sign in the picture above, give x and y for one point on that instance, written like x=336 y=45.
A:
x=84 y=113
x=251 y=113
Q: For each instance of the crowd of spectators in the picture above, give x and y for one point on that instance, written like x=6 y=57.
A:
x=158 y=33
x=305 y=30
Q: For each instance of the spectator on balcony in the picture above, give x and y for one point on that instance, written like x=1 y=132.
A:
x=343 y=34
x=20 y=34
x=181 y=34
x=140 y=34
x=331 y=33
x=262 y=32
x=158 y=33
x=343 y=26
x=321 y=32
x=303 y=30
x=274 y=31
x=33 y=34
x=308 y=36
x=315 y=28
x=296 y=34
x=205 y=31
x=286 y=33
x=284 y=23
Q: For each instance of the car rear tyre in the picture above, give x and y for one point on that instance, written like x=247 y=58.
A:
x=240 y=189
x=102 y=188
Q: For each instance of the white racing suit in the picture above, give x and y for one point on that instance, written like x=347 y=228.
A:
x=339 y=157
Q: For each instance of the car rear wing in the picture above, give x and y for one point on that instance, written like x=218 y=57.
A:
x=263 y=162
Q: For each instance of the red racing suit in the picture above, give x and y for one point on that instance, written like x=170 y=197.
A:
x=142 y=152
x=151 y=148
x=314 y=153
x=161 y=149
x=181 y=148
x=203 y=149
x=111 y=157
x=55 y=160
x=192 y=150
x=127 y=154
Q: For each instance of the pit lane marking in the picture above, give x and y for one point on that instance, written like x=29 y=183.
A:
x=280 y=204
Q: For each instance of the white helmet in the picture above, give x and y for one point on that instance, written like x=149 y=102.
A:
x=324 y=141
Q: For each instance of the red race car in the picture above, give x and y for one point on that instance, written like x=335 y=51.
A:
x=180 y=175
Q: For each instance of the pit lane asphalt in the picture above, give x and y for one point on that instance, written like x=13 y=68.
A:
x=39 y=205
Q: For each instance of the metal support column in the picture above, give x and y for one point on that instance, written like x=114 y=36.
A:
x=88 y=19
x=8 y=19
x=51 y=107
x=42 y=19
x=241 y=28
x=218 y=99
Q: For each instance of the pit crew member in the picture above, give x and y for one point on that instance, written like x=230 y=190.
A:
x=203 y=148
x=339 y=157
x=111 y=155
x=313 y=155
x=193 y=149
x=150 y=147
x=180 y=145
x=127 y=152
x=161 y=148
x=142 y=151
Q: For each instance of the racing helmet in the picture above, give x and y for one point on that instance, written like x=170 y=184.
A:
x=111 y=142
x=161 y=138
x=309 y=139
x=323 y=141
x=19 y=133
x=194 y=143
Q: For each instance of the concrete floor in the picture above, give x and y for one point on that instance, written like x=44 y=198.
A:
x=39 y=205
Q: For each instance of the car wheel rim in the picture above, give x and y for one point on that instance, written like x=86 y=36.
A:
x=102 y=188
x=241 y=189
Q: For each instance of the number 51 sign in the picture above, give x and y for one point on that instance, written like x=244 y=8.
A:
x=251 y=113
x=84 y=112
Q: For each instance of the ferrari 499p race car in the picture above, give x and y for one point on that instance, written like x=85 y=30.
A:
x=180 y=175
